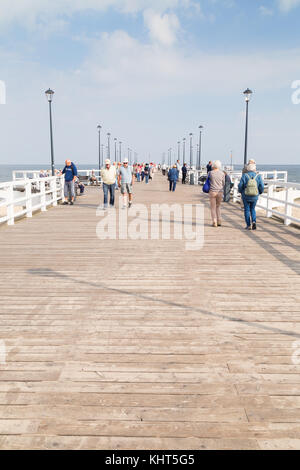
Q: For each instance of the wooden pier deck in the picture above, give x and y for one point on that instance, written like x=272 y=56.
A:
x=143 y=345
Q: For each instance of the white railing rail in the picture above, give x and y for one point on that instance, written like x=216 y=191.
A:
x=267 y=176
x=35 y=174
x=278 y=195
x=38 y=194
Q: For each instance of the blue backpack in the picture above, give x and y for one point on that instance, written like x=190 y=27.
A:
x=206 y=187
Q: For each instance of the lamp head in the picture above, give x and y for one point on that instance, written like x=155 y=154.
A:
x=49 y=94
x=247 y=94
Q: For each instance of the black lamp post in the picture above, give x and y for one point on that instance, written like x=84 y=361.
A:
x=247 y=94
x=99 y=139
x=200 y=147
x=184 y=140
x=178 y=158
x=191 y=150
x=49 y=94
x=108 y=145
x=115 y=149
x=120 y=151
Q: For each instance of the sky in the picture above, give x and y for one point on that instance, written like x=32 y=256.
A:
x=149 y=72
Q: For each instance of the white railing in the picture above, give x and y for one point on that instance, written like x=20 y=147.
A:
x=35 y=174
x=25 y=174
x=38 y=194
x=278 y=195
x=267 y=176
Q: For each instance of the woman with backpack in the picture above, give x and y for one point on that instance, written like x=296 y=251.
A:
x=250 y=187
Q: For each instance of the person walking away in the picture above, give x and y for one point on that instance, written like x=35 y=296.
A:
x=173 y=176
x=209 y=167
x=164 y=169
x=245 y=170
x=108 y=177
x=70 y=172
x=250 y=187
x=125 y=181
x=184 y=173
x=138 y=173
x=147 y=173
x=227 y=187
x=216 y=192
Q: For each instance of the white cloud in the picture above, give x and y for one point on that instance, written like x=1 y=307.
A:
x=287 y=5
x=265 y=11
x=162 y=28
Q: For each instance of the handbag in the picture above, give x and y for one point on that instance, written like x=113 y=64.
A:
x=206 y=187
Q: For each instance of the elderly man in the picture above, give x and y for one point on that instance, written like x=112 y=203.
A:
x=108 y=176
x=125 y=181
x=70 y=172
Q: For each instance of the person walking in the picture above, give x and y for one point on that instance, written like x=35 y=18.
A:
x=216 y=192
x=250 y=187
x=184 y=173
x=70 y=172
x=108 y=177
x=164 y=169
x=147 y=173
x=125 y=181
x=138 y=173
x=227 y=187
x=209 y=167
x=173 y=176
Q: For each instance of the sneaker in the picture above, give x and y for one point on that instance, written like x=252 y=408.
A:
x=72 y=203
x=65 y=203
x=254 y=226
x=248 y=228
x=129 y=204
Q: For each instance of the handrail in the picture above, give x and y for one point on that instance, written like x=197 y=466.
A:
x=50 y=191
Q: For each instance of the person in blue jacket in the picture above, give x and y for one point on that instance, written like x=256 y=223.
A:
x=173 y=176
x=70 y=172
x=250 y=187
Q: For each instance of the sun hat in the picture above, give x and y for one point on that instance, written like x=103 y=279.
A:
x=125 y=160
x=107 y=161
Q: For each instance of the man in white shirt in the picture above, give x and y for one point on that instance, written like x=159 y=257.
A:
x=108 y=177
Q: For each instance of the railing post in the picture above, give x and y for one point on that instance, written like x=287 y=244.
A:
x=62 y=192
x=43 y=196
x=270 y=194
x=28 y=198
x=53 y=190
x=288 y=208
x=10 y=211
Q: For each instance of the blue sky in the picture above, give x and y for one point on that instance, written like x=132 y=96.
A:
x=149 y=72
